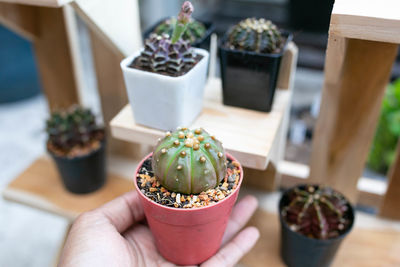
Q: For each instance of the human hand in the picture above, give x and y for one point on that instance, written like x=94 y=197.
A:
x=112 y=235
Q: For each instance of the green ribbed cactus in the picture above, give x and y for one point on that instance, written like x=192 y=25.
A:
x=257 y=35
x=188 y=161
x=194 y=30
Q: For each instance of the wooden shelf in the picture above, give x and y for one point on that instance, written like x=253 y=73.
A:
x=40 y=186
x=376 y=20
x=249 y=135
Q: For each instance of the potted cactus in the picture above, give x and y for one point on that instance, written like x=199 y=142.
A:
x=188 y=187
x=250 y=56
x=77 y=145
x=165 y=80
x=314 y=220
x=198 y=33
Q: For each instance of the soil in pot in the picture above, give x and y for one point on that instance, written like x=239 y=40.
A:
x=314 y=221
x=187 y=229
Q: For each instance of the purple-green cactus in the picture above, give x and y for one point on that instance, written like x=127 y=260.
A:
x=257 y=35
x=161 y=55
x=189 y=161
x=316 y=211
x=170 y=55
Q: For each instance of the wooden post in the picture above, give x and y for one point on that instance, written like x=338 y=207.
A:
x=112 y=92
x=357 y=72
x=391 y=201
x=54 y=58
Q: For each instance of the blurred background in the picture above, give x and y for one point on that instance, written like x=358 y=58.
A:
x=23 y=108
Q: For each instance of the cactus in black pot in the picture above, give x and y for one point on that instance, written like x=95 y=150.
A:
x=250 y=55
x=314 y=221
x=77 y=144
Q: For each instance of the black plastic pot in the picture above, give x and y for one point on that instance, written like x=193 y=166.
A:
x=310 y=15
x=298 y=250
x=203 y=42
x=83 y=174
x=248 y=78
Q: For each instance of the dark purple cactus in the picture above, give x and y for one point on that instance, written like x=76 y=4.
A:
x=160 y=55
x=257 y=35
x=189 y=161
x=172 y=55
x=71 y=129
x=316 y=212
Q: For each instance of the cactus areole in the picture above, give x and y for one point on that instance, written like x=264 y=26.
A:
x=317 y=212
x=255 y=35
x=189 y=161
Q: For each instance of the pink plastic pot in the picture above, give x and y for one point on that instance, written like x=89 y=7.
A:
x=188 y=236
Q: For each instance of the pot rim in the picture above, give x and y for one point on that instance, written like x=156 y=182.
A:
x=210 y=28
x=284 y=223
x=190 y=209
x=287 y=34
x=102 y=145
x=128 y=60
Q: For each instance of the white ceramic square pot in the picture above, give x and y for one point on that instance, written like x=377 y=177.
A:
x=166 y=102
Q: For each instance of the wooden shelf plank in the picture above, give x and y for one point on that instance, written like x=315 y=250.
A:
x=375 y=20
x=362 y=247
x=40 y=186
x=247 y=134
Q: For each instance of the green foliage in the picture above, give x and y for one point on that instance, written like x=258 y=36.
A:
x=189 y=162
x=75 y=127
x=383 y=149
x=194 y=29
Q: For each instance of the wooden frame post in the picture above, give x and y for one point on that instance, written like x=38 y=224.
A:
x=357 y=73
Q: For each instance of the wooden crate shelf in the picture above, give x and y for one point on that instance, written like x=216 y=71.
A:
x=249 y=135
x=40 y=186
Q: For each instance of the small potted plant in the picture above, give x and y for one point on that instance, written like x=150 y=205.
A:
x=198 y=32
x=314 y=220
x=165 y=80
x=188 y=187
x=250 y=55
x=77 y=145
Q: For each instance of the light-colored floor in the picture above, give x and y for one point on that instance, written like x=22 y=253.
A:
x=29 y=237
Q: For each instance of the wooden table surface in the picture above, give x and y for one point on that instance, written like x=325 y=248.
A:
x=361 y=248
x=40 y=186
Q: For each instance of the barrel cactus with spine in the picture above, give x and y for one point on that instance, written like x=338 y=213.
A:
x=189 y=161
x=170 y=54
x=256 y=35
x=194 y=31
x=316 y=211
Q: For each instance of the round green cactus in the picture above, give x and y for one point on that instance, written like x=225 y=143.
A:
x=189 y=161
x=257 y=35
